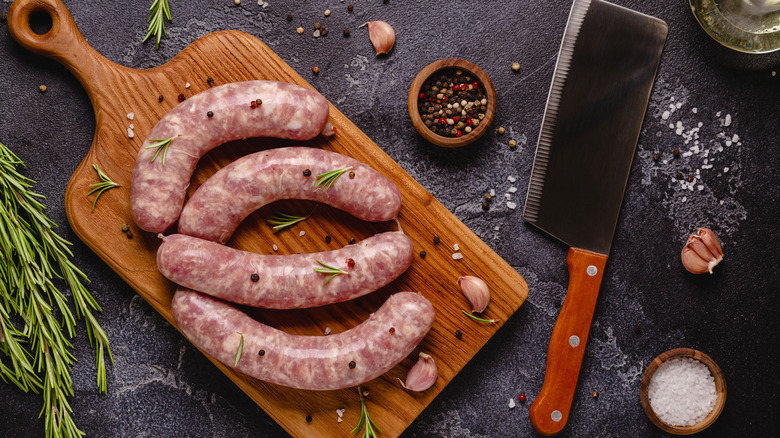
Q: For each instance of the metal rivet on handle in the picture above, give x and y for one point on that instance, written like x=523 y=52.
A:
x=574 y=340
x=592 y=270
x=556 y=416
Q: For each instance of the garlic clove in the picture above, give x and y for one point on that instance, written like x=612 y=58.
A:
x=477 y=292
x=422 y=375
x=701 y=252
x=382 y=36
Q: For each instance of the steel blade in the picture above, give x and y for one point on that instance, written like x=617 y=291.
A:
x=599 y=94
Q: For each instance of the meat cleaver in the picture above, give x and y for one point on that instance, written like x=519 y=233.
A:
x=600 y=89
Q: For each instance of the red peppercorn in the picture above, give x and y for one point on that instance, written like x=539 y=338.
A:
x=444 y=99
x=521 y=397
x=443 y=121
x=351 y=263
x=475 y=84
x=469 y=122
x=456 y=119
x=392 y=330
x=253 y=104
x=422 y=96
x=181 y=97
x=455 y=87
x=459 y=133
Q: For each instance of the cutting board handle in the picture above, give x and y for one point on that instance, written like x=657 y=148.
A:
x=63 y=42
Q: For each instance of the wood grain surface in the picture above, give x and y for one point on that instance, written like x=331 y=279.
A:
x=229 y=56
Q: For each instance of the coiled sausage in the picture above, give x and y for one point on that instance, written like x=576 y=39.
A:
x=319 y=363
x=284 y=281
x=285 y=173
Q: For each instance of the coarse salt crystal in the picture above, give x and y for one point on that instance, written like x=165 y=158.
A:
x=665 y=115
x=512 y=189
x=496 y=228
x=492 y=192
x=327 y=332
x=187 y=85
x=130 y=133
x=700 y=187
x=727 y=120
x=276 y=248
x=511 y=403
x=682 y=391
x=456 y=247
x=131 y=126
x=130 y=116
x=457 y=256
x=340 y=419
x=511 y=205
x=508 y=196
x=301 y=234
x=511 y=178
x=725 y=170
x=694 y=110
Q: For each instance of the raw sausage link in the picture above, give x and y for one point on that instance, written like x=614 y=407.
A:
x=284 y=281
x=264 y=177
x=286 y=111
x=317 y=363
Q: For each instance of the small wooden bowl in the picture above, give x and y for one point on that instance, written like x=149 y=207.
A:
x=720 y=389
x=414 y=113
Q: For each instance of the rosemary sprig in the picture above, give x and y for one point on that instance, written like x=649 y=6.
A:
x=161 y=144
x=281 y=220
x=371 y=428
x=328 y=178
x=240 y=351
x=160 y=10
x=476 y=318
x=329 y=270
x=31 y=256
x=104 y=184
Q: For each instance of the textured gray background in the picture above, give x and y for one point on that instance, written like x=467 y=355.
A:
x=160 y=386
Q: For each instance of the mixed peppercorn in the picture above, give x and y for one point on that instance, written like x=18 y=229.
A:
x=452 y=103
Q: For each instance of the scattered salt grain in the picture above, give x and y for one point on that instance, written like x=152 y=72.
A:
x=457 y=256
x=727 y=120
x=456 y=247
x=496 y=228
x=508 y=196
x=492 y=192
x=511 y=403
x=130 y=116
x=665 y=115
x=187 y=85
x=511 y=179
x=302 y=233
x=340 y=413
x=694 y=110
x=327 y=331
x=682 y=391
x=512 y=189
x=130 y=133
x=276 y=248
x=725 y=170
x=511 y=205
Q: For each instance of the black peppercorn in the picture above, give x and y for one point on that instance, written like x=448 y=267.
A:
x=125 y=228
x=352 y=175
x=210 y=81
x=289 y=18
x=352 y=241
x=308 y=418
x=261 y=353
x=352 y=365
x=129 y=234
x=690 y=179
x=423 y=254
x=485 y=205
x=676 y=152
x=210 y=114
x=181 y=97
x=327 y=239
x=436 y=240
x=255 y=278
x=346 y=32
x=557 y=302
x=160 y=98
x=458 y=334
x=679 y=175
x=306 y=172
x=656 y=156
x=323 y=31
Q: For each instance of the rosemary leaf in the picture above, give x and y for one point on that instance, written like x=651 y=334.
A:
x=104 y=184
x=371 y=428
x=328 y=178
x=240 y=351
x=32 y=256
x=160 y=11
x=476 y=318
x=281 y=220
x=329 y=270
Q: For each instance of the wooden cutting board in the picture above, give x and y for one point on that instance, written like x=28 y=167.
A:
x=229 y=56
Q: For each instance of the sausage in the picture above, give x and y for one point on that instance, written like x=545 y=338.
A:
x=317 y=363
x=285 y=173
x=284 y=281
x=286 y=111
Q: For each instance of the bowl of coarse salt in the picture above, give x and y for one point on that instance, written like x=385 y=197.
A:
x=683 y=391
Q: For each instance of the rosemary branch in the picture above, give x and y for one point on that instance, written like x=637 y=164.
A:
x=328 y=178
x=371 y=428
x=161 y=144
x=104 y=184
x=281 y=220
x=329 y=270
x=32 y=258
x=160 y=11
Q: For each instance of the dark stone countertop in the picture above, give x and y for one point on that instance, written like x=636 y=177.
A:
x=160 y=386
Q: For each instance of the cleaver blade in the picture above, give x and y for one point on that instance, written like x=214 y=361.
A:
x=601 y=85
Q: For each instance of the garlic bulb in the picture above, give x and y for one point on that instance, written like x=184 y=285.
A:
x=702 y=252
x=382 y=36
x=477 y=292
x=422 y=375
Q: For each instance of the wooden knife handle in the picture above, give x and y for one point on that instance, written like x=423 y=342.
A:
x=550 y=410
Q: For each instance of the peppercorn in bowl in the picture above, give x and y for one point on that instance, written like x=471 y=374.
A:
x=452 y=102
x=683 y=391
